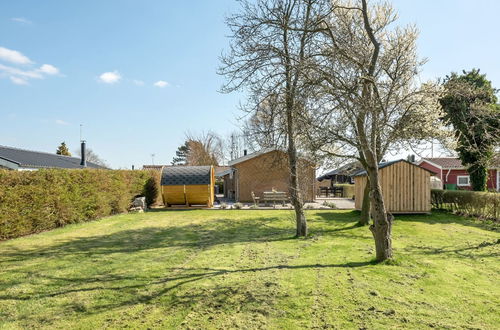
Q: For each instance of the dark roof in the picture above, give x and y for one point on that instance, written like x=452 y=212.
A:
x=185 y=175
x=153 y=167
x=386 y=164
x=347 y=170
x=36 y=159
x=222 y=170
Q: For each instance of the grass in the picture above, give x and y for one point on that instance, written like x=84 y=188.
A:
x=230 y=269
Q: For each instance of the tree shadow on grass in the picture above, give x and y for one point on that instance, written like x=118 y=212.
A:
x=204 y=235
x=182 y=276
x=469 y=251
x=443 y=217
x=210 y=233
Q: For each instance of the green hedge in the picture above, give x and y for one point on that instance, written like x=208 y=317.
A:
x=472 y=203
x=348 y=191
x=31 y=202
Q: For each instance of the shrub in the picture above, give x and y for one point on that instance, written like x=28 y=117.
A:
x=223 y=206
x=348 y=191
x=152 y=189
x=330 y=205
x=238 y=206
x=472 y=203
x=31 y=202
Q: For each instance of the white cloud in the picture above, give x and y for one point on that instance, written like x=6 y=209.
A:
x=13 y=56
x=161 y=84
x=21 y=20
x=48 y=69
x=18 y=81
x=110 y=77
x=21 y=77
x=27 y=74
x=138 y=82
x=61 y=122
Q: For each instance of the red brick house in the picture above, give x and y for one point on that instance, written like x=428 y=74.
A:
x=451 y=171
x=266 y=170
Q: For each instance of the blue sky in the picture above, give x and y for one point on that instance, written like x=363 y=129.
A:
x=96 y=63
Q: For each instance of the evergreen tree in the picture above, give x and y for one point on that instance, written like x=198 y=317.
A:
x=470 y=106
x=181 y=155
x=63 y=150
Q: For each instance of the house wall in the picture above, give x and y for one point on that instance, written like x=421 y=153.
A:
x=405 y=187
x=270 y=171
x=324 y=183
x=430 y=167
x=229 y=188
x=450 y=175
x=452 y=178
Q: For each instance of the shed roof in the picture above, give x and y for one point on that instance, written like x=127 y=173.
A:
x=185 y=175
x=348 y=170
x=392 y=162
x=36 y=159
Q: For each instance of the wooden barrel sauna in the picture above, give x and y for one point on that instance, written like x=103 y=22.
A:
x=188 y=185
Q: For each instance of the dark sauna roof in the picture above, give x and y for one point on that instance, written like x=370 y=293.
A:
x=185 y=175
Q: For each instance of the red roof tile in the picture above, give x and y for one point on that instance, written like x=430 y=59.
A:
x=446 y=162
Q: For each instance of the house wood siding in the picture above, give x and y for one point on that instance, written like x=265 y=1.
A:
x=405 y=187
x=270 y=171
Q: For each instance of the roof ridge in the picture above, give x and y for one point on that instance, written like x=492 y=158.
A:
x=61 y=157
x=38 y=152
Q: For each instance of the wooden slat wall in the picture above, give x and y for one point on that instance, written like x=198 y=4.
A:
x=406 y=188
x=173 y=195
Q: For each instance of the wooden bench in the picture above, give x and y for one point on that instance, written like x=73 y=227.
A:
x=256 y=199
x=275 y=196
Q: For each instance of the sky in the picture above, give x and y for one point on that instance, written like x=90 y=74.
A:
x=139 y=75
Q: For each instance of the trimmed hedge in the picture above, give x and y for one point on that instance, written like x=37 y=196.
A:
x=348 y=191
x=471 y=203
x=31 y=202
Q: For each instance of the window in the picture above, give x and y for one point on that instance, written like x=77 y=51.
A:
x=463 y=181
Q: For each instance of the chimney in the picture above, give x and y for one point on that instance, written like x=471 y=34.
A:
x=245 y=152
x=133 y=167
x=83 y=163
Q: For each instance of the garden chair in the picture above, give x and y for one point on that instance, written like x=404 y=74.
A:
x=256 y=199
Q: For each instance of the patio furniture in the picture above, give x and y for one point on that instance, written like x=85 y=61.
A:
x=323 y=191
x=337 y=191
x=256 y=199
x=275 y=196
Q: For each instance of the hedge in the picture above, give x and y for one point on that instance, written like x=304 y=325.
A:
x=472 y=203
x=348 y=191
x=35 y=201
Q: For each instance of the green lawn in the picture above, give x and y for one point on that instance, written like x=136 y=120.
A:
x=242 y=269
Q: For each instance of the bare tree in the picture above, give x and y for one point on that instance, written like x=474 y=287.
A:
x=92 y=157
x=368 y=99
x=204 y=149
x=268 y=58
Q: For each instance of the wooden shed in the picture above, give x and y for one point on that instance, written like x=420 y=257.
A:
x=405 y=186
x=188 y=185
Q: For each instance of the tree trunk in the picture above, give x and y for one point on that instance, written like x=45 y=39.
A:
x=295 y=192
x=365 y=208
x=382 y=221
